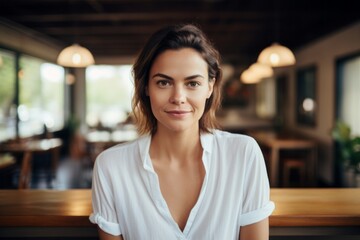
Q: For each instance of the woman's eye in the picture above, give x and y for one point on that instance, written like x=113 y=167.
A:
x=193 y=84
x=163 y=83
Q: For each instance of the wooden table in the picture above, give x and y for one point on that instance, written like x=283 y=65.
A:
x=28 y=148
x=6 y=160
x=276 y=142
x=62 y=214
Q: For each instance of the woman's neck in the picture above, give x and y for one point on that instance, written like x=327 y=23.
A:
x=176 y=147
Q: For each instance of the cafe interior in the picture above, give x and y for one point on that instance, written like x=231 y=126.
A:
x=291 y=72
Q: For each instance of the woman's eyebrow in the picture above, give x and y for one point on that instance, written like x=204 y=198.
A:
x=162 y=76
x=170 y=78
x=194 y=76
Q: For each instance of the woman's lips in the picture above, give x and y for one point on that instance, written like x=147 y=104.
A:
x=177 y=113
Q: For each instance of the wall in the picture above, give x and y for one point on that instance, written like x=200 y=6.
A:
x=29 y=42
x=323 y=53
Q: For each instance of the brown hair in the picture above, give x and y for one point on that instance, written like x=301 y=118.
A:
x=175 y=38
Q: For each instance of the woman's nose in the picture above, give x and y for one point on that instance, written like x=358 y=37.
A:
x=178 y=96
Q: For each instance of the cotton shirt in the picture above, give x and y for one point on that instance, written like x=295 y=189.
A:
x=127 y=200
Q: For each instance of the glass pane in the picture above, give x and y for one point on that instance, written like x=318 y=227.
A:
x=266 y=98
x=109 y=90
x=41 y=96
x=349 y=92
x=53 y=77
x=306 y=96
x=7 y=95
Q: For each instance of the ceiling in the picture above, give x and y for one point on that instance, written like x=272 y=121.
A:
x=238 y=28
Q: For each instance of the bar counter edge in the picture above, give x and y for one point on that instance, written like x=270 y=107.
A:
x=298 y=212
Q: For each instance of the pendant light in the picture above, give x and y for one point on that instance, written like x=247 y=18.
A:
x=75 y=56
x=262 y=70
x=277 y=55
x=256 y=72
x=249 y=77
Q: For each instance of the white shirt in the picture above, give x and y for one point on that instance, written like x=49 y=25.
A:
x=127 y=199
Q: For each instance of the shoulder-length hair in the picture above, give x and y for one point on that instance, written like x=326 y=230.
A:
x=175 y=38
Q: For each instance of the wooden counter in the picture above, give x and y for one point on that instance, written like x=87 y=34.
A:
x=49 y=213
x=316 y=207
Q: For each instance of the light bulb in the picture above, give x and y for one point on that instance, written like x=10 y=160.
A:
x=76 y=58
x=274 y=59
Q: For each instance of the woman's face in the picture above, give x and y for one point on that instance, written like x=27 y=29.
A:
x=178 y=88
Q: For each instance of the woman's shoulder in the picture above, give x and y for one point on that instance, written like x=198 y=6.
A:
x=229 y=137
x=235 y=149
x=234 y=142
x=121 y=153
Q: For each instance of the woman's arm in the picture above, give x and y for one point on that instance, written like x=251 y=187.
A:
x=105 y=236
x=256 y=231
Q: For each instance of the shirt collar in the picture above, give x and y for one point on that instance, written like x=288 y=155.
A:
x=206 y=140
x=144 y=148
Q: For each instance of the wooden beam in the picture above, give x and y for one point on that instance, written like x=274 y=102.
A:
x=146 y=16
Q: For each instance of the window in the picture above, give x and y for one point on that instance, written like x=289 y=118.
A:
x=7 y=95
x=52 y=91
x=348 y=86
x=266 y=98
x=109 y=91
x=41 y=96
x=306 y=96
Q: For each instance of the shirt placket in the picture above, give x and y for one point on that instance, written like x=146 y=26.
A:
x=160 y=202
x=197 y=205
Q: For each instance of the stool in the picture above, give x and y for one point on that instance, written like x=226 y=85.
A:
x=7 y=169
x=294 y=164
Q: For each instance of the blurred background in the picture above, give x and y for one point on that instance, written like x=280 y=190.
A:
x=308 y=103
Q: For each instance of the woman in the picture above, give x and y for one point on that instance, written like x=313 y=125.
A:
x=182 y=179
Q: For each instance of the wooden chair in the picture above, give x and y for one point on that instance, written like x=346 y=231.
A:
x=25 y=172
x=294 y=164
x=7 y=169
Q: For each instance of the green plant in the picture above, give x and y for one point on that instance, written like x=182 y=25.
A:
x=349 y=145
x=72 y=124
x=355 y=153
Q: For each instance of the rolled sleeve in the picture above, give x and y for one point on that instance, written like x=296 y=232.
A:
x=256 y=204
x=257 y=215
x=104 y=213
x=106 y=226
